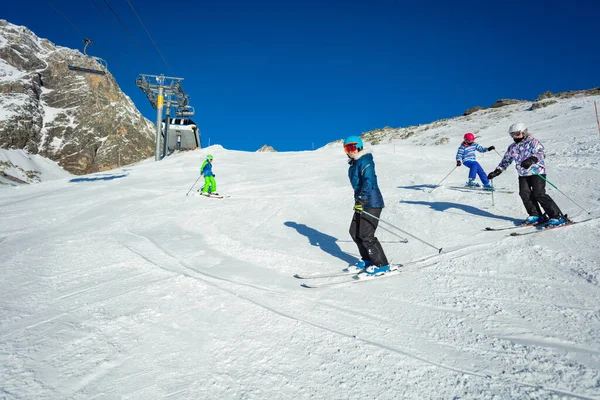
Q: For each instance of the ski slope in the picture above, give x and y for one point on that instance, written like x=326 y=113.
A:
x=117 y=285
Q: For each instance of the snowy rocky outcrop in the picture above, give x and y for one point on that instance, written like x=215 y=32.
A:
x=82 y=121
x=267 y=148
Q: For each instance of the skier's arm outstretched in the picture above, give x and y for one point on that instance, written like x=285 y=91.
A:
x=480 y=148
x=506 y=161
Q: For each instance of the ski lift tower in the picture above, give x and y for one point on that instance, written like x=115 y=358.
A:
x=157 y=88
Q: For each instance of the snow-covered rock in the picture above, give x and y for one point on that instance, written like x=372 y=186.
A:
x=83 y=121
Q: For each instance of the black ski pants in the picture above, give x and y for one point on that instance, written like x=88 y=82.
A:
x=362 y=230
x=532 y=190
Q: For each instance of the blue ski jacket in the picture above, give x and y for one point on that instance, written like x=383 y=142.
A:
x=364 y=180
x=466 y=152
x=206 y=169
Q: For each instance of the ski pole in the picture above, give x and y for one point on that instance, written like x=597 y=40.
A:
x=492 y=182
x=443 y=179
x=393 y=226
x=597 y=120
x=404 y=240
x=554 y=186
x=498 y=153
x=193 y=185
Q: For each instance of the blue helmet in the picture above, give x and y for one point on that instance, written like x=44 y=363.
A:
x=354 y=139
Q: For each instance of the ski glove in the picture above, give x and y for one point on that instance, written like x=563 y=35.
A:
x=458 y=163
x=528 y=162
x=358 y=206
x=491 y=148
x=494 y=173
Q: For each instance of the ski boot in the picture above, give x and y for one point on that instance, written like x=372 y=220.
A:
x=557 y=221
x=359 y=266
x=532 y=220
x=488 y=187
x=374 y=270
x=472 y=183
x=535 y=220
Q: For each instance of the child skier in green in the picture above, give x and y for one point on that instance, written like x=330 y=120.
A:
x=210 y=185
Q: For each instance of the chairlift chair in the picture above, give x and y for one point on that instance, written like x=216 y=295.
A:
x=100 y=61
x=187 y=111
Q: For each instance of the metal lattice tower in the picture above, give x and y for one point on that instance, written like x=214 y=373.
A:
x=159 y=88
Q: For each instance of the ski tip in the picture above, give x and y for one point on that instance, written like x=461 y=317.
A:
x=296 y=276
x=304 y=285
x=440 y=250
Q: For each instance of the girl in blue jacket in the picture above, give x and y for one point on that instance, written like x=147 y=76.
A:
x=367 y=197
x=466 y=156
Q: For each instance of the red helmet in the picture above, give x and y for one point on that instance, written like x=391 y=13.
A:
x=469 y=137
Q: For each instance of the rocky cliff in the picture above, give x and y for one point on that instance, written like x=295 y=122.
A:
x=81 y=120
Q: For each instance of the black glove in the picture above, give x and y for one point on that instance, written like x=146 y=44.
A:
x=491 y=148
x=214 y=175
x=458 y=163
x=528 y=162
x=494 y=173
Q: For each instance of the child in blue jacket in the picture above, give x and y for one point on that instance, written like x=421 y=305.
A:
x=210 y=185
x=466 y=156
x=367 y=197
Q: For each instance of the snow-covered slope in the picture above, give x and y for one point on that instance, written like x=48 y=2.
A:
x=27 y=168
x=117 y=285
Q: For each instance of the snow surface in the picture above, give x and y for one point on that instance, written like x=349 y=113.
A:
x=117 y=285
x=29 y=167
x=8 y=72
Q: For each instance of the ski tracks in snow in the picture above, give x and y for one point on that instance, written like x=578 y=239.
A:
x=395 y=338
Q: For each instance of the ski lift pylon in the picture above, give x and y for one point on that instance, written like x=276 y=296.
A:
x=100 y=61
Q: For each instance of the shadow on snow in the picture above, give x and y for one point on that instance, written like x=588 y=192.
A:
x=325 y=242
x=98 y=178
x=418 y=187
x=444 y=205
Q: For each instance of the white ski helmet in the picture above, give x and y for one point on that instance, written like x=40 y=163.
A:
x=518 y=127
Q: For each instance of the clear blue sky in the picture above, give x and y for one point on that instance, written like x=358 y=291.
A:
x=290 y=74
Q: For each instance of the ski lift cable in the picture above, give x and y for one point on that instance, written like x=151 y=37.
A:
x=125 y=26
x=142 y=56
x=148 y=33
x=65 y=17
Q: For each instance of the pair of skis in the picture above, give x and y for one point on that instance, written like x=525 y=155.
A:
x=353 y=277
x=362 y=276
x=541 y=227
x=480 y=189
x=213 y=196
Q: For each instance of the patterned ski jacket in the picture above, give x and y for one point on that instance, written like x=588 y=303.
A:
x=526 y=148
x=364 y=180
x=466 y=152
x=206 y=169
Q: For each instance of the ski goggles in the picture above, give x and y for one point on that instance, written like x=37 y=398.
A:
x=350 y=147
x=515 y=134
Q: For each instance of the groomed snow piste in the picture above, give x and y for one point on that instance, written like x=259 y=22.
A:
x=117 y=285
